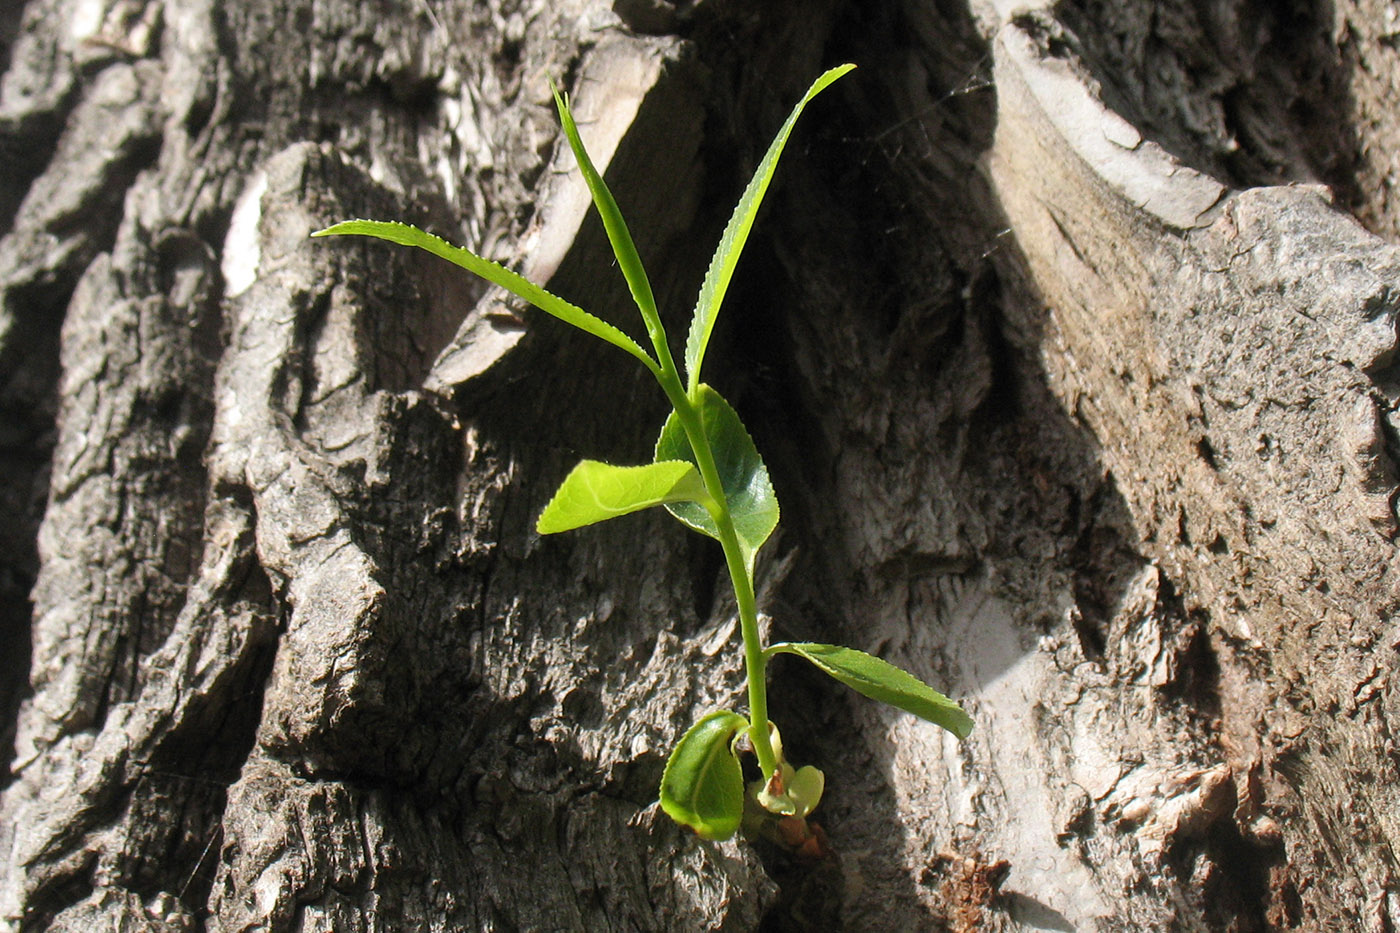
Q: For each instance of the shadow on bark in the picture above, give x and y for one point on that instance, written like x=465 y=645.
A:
x=920 y=461
x=1253 y=93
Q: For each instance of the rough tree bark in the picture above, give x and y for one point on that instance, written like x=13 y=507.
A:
x=1069 y=337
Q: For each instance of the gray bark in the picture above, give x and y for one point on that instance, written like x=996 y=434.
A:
x=1068 y=335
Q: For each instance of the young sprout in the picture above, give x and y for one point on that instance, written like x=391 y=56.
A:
x=707 y=473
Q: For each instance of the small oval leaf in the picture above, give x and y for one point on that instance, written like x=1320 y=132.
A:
x=881 y=680
x=703 y=785
x=747 y=489
x=595 y=491
x=791 y=792
x=806 y=789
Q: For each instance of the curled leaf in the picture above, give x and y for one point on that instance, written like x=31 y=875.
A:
x=703 y=785
x=623 y=247
x=806 y=789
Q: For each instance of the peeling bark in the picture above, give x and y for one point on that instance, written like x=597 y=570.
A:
x=1068 y=334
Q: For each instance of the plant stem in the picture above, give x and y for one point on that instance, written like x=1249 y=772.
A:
x=755 y=662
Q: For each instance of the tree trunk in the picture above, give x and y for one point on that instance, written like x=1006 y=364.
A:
x=1068 y=334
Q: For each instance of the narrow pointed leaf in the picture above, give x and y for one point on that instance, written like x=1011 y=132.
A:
x=736 y=234
x=595 y=492
x=407 y=235
x=881 y=680
x=703 y=785
x=747 y=489
x=628 y=259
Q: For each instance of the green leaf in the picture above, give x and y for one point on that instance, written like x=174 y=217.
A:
x=794 y=792
x=747 y=489
x=594 y=492
x=806 y=788
x=881 y=680
x=626 y=251
x=736 y=233
x=407 y=235
x=703 y=785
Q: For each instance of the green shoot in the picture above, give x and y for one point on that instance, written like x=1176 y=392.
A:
x=709 y=475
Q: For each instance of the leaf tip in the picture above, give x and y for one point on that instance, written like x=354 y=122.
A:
x=549 y=522
x=561 y=103
x=961 y=726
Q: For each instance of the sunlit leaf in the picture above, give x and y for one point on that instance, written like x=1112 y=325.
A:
x=595 y=492
x=881 y=680
x=624 y=249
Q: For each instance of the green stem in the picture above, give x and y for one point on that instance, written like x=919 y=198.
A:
x=755 y=662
